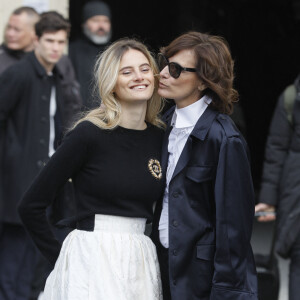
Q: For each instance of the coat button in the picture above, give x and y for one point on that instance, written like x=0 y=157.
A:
x=44 y=98
x=175 y=252
x=43 y=119
x=42 y=142
x=175 y=223
x=175 y=194
x=39 y=163
x=174 y=282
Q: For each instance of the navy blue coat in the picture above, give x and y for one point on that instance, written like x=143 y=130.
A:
x=211 y=209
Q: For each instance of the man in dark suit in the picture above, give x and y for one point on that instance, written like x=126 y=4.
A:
x=32 y=117
x=202 y=227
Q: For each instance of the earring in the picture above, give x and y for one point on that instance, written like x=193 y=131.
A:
x=201 y=87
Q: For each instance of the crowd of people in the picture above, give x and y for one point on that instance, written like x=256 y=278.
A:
x=87 y=159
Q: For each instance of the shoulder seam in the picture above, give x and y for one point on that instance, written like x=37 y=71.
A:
x=229 y=131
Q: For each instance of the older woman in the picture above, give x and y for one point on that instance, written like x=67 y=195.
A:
x=202 y=228
x=112 y=156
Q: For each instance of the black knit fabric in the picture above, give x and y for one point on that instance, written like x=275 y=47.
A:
x=110 y=172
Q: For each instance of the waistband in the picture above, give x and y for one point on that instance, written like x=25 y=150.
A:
x=110 y=223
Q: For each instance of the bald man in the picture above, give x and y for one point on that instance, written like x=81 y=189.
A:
x=18 y=36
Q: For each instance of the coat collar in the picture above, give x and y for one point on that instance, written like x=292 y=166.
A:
x=204 y=123
x=39 y=69
x=200 y=131
x=189 y=115
x=202 y=126
x=17 y=54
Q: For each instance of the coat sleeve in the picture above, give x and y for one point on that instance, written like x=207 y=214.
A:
x=66 y=162
x=235 y=274
x=11 y=87
x=277 y=147
x=72 y=101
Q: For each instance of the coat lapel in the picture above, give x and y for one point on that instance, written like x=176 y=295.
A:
x=184 y=157
x=199 y=132
x=165 y=153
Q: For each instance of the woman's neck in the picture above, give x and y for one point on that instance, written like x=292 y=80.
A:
x=133 y=116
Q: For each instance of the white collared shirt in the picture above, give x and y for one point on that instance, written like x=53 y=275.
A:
x=52 y=113
x=183 y=123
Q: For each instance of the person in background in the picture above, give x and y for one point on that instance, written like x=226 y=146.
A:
x=32 y=118
x=202 y=226
x=112 y=156
x=19 y=36
x=95 y=37
x=279 y=193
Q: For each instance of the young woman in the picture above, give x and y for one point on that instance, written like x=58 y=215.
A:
x=112 y=156
x=202 y=228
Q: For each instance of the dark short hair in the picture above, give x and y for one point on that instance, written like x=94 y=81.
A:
x=30 y=11
x=51 y=21
x=214 y=66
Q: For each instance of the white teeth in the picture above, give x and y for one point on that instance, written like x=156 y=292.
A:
x=139 y=87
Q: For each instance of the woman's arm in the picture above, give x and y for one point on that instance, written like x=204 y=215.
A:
x=234 y=276
x=66 y=162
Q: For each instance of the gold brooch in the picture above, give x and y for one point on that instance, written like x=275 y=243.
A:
x=155 y=168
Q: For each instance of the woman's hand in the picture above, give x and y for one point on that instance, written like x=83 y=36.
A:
x=265 y=212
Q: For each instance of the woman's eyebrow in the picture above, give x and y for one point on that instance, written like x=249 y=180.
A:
x=130 y=67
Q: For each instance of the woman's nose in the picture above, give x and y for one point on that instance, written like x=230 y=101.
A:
x=139 y=76
x=165 y=72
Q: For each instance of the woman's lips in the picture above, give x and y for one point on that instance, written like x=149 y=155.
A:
x=161 y=85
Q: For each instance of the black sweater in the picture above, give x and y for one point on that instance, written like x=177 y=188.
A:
x=111 y=175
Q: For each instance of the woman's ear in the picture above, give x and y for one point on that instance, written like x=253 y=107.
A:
x=201 y=86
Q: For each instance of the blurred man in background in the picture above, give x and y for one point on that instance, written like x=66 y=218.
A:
x=32 y=117
x=18 y=36
x=96 y=27
x=280 y=186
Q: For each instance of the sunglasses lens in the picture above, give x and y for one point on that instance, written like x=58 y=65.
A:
x=174 y=70
x=162 y=62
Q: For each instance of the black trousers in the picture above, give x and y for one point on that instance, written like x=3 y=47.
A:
x=17 y=262
x=163 y=258
x=294 y=276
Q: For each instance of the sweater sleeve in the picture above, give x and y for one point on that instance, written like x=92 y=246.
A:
x=66 y=162
x=277 y=147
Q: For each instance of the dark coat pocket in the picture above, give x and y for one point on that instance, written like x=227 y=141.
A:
x=205 y=252
x=199 y=174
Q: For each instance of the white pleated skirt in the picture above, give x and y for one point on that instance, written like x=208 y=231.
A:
x=116 y=261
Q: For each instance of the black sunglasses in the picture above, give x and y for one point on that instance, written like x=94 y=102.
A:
x=175 y=69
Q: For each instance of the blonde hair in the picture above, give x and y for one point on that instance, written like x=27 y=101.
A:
x=107 y=115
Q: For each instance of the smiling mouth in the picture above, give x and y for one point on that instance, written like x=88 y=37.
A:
x=139 y=87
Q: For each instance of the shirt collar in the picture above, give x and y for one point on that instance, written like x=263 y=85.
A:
x=189 y=115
